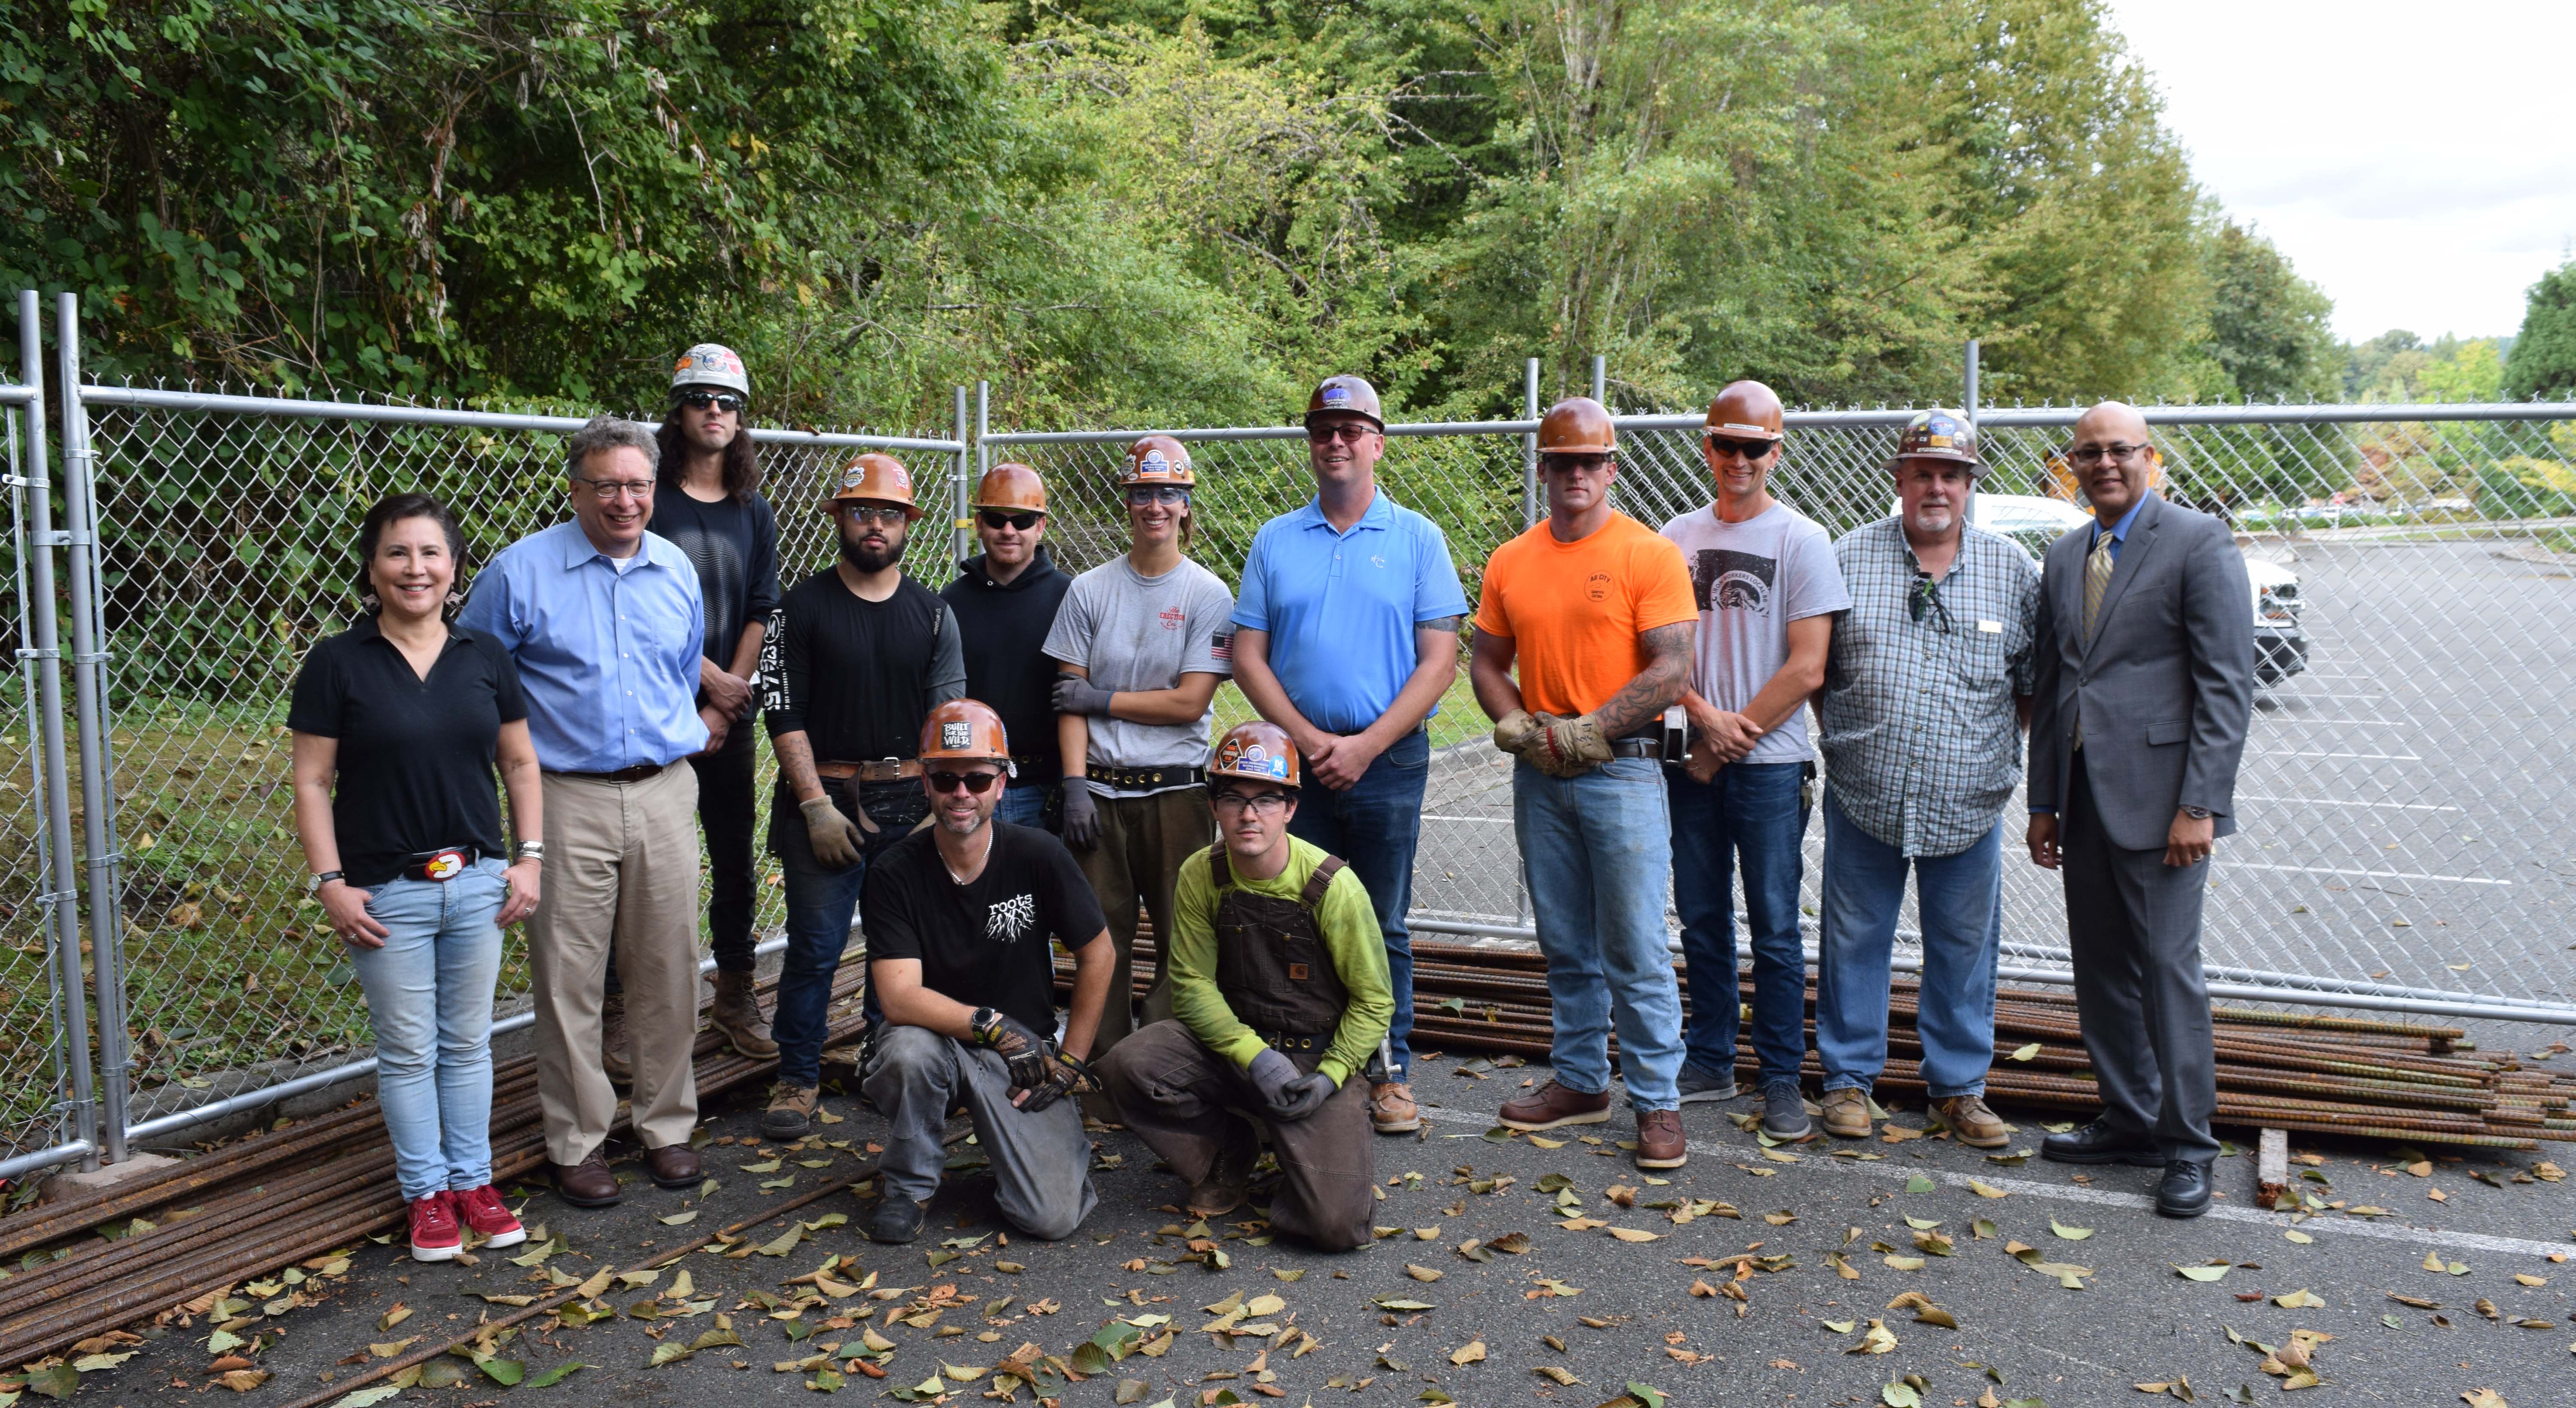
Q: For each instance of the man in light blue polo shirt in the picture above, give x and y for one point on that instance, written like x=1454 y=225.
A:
x=1346 y=636
x=606 y=624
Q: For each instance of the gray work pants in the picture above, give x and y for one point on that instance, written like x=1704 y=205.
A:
x=1041 y=1162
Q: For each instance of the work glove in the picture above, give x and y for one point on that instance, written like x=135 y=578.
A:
x=1023 y=1051
x=1572 y=747
x=1067 y=1074
x=1271 y=1074
x=1303 y=1097
x=834 y=837
x=1516 y=731
x=1081 y=816
x=1076 y=695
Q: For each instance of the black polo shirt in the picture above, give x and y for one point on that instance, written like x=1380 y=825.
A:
x=415 y=756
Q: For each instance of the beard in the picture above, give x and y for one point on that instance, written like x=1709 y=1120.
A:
x=868 y=559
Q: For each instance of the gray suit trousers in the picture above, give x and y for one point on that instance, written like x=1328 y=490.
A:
x=2134 y=924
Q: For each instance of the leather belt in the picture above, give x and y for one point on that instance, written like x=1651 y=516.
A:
x=1146 y=777
x=442 y=865
x=1639 y=746
x=637 y=773
x=1295 y=1041
x=875 y=770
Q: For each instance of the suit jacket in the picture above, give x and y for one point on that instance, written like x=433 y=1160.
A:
x=2165 y=686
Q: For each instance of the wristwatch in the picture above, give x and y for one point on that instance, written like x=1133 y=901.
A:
x=2196 y=813
x=313 y=883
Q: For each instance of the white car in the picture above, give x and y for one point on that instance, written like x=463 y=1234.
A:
x=2280 y=646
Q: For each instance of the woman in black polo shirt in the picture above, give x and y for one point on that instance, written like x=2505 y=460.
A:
x=411 y=714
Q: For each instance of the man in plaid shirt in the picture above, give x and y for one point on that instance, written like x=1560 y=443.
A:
x=1927 y=690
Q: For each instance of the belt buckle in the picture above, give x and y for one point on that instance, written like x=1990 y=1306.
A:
x=444 y=866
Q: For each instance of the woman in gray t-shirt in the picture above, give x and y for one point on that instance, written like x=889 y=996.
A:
x=1143 y=641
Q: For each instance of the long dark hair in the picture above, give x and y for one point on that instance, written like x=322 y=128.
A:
x=394 y=508
x=741 y=458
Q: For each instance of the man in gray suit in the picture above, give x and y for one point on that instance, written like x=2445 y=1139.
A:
x=2144 y=683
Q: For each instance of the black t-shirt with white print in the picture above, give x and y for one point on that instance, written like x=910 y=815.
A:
x=983 y=943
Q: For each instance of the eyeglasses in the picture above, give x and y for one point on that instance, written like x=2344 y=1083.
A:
x=865 y=514
x=612 y=488
x=1139 y=495
x=1926 y=597
x=1749 y=449
x=700 y=400
x=997 y=520
x=2115 y=453
x=978 y=783
x=1345 y=432
x=1263 y=803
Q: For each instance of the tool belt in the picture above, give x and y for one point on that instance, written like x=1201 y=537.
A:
x=1286 y=1043
x=638 y=773
x=1132 y=778
x=874 y=770
x=443 y=864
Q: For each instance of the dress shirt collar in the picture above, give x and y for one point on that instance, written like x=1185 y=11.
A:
x=654 y=550
x=2120 y=531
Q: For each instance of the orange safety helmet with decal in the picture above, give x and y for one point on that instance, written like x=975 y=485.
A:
x=1256 y=752
x=877 y=478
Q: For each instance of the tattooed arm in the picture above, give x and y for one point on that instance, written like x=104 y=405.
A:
x=1643 y=699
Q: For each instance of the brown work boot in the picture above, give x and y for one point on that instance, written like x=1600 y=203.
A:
x=1659 y=1139
x=1971 y=1123
x=1552 y=1105
x=736 y=1014
x=791 y=1111
x=612 y=1040
x=1847 y=1113
x=1391 y=1108
x=587 y=1184
x=1229 y=1182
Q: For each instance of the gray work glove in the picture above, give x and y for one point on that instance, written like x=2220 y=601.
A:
x=1076 y=695
x=834 y=837
x=1304 y=1096
x=1081 y=816
x=1271 y=1075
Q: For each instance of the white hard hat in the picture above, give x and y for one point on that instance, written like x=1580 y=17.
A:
x=711 y=364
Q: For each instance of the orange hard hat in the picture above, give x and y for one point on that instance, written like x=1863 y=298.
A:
x=1744 y=410
x=878 y=478
x=1256 y=752
x=1939 y=434
x=1348 y=395
x=1158 y=459
x=1011 y=486
x=964 y=730
x=1577 y=425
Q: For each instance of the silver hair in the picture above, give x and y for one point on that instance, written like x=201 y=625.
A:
x=606 y=432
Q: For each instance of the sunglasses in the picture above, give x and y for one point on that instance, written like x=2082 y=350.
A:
x=865 y=514
x=1750 y=449
x=996 y=519
x=1139 y=495
x=1347 y=433
x=721 y=400
x=978 y=783
x=1926 y=598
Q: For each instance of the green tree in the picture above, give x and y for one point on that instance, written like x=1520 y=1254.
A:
x=2543 y=362
x=2270 y=331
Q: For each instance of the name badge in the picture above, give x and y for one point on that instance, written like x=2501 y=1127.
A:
x=1992 y=628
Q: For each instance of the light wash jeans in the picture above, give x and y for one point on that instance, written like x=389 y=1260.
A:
x=1960 y=900
x=429 y=996
x=1596 y=853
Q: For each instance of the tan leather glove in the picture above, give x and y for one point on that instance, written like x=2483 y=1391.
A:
x=1572 y=747
x=834 y=837
x=1515 y=731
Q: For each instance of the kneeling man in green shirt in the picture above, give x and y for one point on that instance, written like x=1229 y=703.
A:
x=1279 y=986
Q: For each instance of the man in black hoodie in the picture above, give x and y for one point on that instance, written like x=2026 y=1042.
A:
x=1006 y=600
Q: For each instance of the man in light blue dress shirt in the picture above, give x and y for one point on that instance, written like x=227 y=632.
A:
x=606 y=625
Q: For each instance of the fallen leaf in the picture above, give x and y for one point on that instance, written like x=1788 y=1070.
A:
x=1420 y=1273
x=2024 y=1053
x=1474 y=1353
x=2300 y=1299
x=2204 y=1273
x=1631 y=1234
x=2072 y=1234
x=1984 y=1189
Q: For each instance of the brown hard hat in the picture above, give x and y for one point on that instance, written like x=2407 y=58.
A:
x=1577 y=425
x=1744 y=410
x=1939 y=434
x=877 y=478
x=964 y=730
x=1256 y=752
x=1158 y=459
x=1348 y=395
x=1011 y=486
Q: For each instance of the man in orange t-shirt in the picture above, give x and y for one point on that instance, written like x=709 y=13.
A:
x=1596 y=611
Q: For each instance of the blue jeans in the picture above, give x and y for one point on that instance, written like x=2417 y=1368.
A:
x=429 y=997
x=821 y=903
x=1375 y=826
x=1024 y=805
x=1960 y=899
x=1596 y=856
x=1748 y=812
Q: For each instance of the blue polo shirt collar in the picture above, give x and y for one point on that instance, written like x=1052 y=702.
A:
x=1380 y=515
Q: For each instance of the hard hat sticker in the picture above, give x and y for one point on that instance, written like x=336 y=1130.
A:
x=850 y=477
x=1337 y=395
x=954 y=736
x=1153 y=463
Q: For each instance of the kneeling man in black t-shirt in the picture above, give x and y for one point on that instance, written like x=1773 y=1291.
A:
x=958 y=919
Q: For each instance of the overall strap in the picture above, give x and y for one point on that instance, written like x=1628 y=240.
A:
x=1220 y=874
x=1319 y=882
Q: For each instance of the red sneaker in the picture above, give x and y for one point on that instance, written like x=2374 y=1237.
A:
x=433 y=1229
x=483 y=1211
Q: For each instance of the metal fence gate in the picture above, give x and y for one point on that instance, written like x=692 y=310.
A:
x=2408 y=842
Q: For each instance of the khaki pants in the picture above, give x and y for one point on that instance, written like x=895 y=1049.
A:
x=1144 y=841
x=621 y=869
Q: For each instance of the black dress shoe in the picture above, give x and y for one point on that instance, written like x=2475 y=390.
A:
x=2101 y=1143
x=896 y=1219
x=2185 y=1189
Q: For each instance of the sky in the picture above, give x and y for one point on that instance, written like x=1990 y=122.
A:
x=2417 y=162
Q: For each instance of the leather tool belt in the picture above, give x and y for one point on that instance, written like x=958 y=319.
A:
x=1146 y=777
x=443 y=864
x=875 y=770
x=1285 y=1042
x=638 y=773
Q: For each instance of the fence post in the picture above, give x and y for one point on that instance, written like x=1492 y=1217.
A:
x=98 y=779
x=983 y=427
x=62 y=896
x=1971 y=410
x=1601 y=379
x=959 y=490
x=1529 y=445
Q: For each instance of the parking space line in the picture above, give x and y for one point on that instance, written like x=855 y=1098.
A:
x=2304 y=719
x=1489 y=820
x=2367 y=874
x=2322 y=694
x=2429 y=1237
x=2330 y=802
x=2366 y=757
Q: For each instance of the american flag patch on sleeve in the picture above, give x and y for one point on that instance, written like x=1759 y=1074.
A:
x=1221 y=645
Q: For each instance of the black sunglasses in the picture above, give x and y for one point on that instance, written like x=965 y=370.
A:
x=700 y=400
x=978 y=783
x=1926 y=596
x=1750 y=449
x=996 y=519
x=1345 y=432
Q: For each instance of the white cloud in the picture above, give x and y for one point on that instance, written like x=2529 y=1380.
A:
x=2418 y=163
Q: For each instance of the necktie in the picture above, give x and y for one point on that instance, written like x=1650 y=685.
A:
x=2097 y=575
